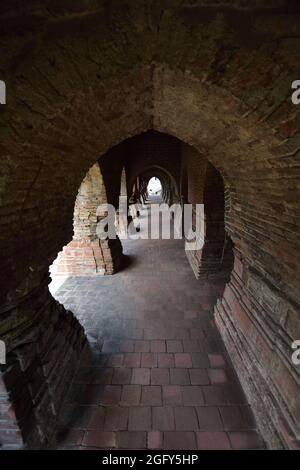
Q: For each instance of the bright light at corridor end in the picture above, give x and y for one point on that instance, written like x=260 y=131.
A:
x=154 y=187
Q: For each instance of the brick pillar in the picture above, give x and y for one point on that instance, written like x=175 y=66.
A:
x=86 y=255
x=215 y=259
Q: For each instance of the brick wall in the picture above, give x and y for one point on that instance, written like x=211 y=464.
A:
x=201 y=183
x=44 y=352
x=193 y=168
x=80 y=82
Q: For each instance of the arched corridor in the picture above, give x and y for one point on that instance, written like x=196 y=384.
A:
x=102 y=96
x=156 y=373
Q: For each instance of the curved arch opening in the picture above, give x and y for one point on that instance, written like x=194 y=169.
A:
x=154 y=187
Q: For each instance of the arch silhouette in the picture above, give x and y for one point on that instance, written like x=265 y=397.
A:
x=156 y=170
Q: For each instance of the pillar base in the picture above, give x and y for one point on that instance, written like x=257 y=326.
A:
x=214 y=261
x=88 y=258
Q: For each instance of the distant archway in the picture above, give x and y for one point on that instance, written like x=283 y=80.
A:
x=154 y=187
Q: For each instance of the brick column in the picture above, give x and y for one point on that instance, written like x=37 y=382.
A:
x=248 y=316
x=215 y=259
x=86 y=255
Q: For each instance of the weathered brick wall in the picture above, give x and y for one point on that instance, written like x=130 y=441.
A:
x=216 y=255
x=80 y=79
x=258 y=325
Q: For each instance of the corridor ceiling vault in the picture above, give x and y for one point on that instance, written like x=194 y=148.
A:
x=82 y=77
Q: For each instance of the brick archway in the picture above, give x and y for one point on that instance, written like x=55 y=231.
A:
x=218 y=126
x=170 y=192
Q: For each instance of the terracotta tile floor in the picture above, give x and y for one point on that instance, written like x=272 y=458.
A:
x=156 y=375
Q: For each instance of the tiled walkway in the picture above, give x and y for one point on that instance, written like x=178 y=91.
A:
x=157 y=375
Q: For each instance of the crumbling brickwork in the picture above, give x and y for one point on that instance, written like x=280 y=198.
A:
x=86 y=254
x=45 y=343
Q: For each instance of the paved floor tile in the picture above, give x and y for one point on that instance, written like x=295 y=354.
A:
x=121 y=376
x=99 y=439
x=131 y=440
x=141 y=376
x=149 y=360
x=151 y=395
x=160 y=376
x=165 y=360
x=155 y=440
x=179 y=440
x=209 y=418
x=174 y=346
x=185 y=418
x=245 y=440
x=213 y=441
x=192 y=395
x=139 y=418
x=116 y=418
x=163 y=418
x=131 y=395
x=179 y=377
x=172 y=395
x=183 y=360
x=199 y=377
x=132 y=360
